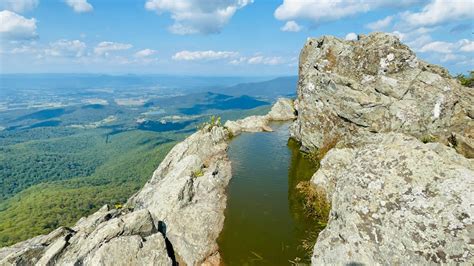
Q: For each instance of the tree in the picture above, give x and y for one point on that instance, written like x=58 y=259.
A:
x=467 y=80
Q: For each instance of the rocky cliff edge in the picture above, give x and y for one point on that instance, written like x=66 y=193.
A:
x=377 y=84
x=400 y=134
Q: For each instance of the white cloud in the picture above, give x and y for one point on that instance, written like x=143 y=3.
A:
x=463 y=45
x=415 y=38
x=467 y=62
x=351 y=36
x=123 y=60
x=460 y=28
x=194 y=16
x=440 y=11
x=145 y=53
x=16 y=27
x=467 y=46
x=291 y=26
x=104 y=48
x=238 y=61
x=66 y=48
x=204 y=55
x=24 y=49
x=416 y=43
x=452 y=58
x=438 y=47
x=329 y=10
x=400 y=35
x=275 y=60
x=18 y=5
x=80 y=6
x=258 y=60
x=380 y=24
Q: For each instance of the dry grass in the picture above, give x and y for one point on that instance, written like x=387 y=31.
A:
x=307 y=244
x=315 y=203
x=317 y=207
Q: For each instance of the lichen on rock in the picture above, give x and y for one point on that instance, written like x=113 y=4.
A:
x=376 y=84
x=396 y=200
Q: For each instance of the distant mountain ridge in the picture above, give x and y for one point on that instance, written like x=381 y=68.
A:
x=272 y=89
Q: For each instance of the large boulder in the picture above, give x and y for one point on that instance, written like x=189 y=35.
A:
x=396 y=201
x=131 y=250
x=127 y=237
x=376 y=84
x=187 y=194
x=282 y=110
x=255 y=123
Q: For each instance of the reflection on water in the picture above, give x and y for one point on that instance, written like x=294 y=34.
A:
x=265 y=222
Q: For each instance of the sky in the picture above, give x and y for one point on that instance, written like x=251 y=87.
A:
x=217 y=37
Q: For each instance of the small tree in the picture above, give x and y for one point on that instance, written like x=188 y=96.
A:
x=466 y=80
x=214 y=121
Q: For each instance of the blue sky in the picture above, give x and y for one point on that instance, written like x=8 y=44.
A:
x=217 y=37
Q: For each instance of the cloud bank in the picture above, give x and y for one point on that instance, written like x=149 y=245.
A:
x=195 y=16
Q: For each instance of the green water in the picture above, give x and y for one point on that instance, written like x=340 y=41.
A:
x=264 y=220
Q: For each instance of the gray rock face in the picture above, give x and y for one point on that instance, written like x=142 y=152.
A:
x=255 y=123
x=396 y=201
x=375 y=84
x=96 y=243
x=282 y=110
x=187 y=194
x=131 y=250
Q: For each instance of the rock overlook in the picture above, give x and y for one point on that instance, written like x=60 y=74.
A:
x=376 y=84
x=395 y=198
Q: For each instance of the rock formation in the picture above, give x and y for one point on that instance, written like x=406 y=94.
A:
x=187 y=194
x=255 y=123
x=376 y=84
x=107 y=237
x=395 y=200
x=282 y=110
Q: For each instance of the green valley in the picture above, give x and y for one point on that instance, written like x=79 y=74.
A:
x=58 y=164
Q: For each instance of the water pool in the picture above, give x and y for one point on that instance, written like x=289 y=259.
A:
x=264 y=219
